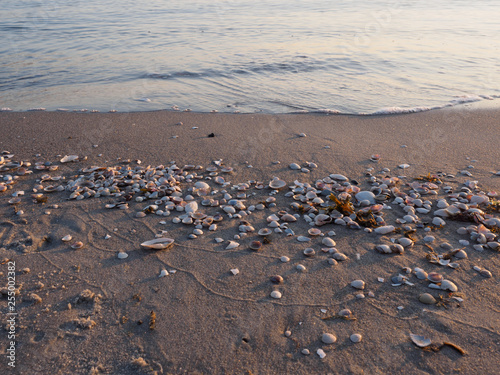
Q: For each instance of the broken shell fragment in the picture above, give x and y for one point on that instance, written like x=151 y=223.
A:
x=68 y=158
x=67 y=238
x=161 y=243
x=448 y=285
x=255 y=245
x=232 y=245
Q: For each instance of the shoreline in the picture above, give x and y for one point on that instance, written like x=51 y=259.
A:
x=214 y=311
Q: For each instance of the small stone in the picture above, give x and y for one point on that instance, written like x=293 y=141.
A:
x=305 y=351
x=235 y=271
x=288 y=333
x=285 y=259
x=301 y=268
x=122 y=255
x=358 y=284
x=276 y=294
x=356 y=337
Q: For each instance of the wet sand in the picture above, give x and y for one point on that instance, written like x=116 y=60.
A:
x=207 y=320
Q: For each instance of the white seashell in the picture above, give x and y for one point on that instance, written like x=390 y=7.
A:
x=294 y=166
x=277 y=184
x=358 y=284
x=403 y=166
x=303 y=239
x=218 y=240
x=448 y=285
x=442 y=203
x=284 y=259
x=420 y=341
x=384 y=249
x=429 y=239
x=437 y=221
x=191 y=207
x=405 y=242
x=264 y=232
x=67 y=238
x=161 y=243
x=385 y=229
x=300 y=267
x=327 y=241
x=122 y=255
x=68 y=158
x=232 y=245
x=442 y=213
x=366 y=195
x=201 y=185
x=163 y=273
x=339 y=177
x=276 y=294
x=314 y=232
x=288 y=218
x=235 y=271
x=339 y=256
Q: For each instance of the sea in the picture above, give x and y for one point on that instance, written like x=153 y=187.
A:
x=249 y=56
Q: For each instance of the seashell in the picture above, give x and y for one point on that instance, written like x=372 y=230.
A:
x=235 y=271
x=420 y=341
x=294 y=166
x=366 y=195
x=276 y=294
x=427 y=298
x=339 y=177
x=306 y=351
x=405 y=242
x=68 y=158
x=314 y=232
x=437 y=221
x=163 y=273
x=345 y=313
x=161 y=243
x=385 y=229
x=309 y=252
x=284 y=259
x=122 y=255
x=444 y=262
x=277 y=184
x=140 y=214
x=340 y=257
x=358 y=284
x=448 y=285
x=276 y=279
x=403 y=166
x=493 y=245
x=421 y=274
x=322 y=219
x=232 y=245
x=67 y=238
x=327 y=241
x=303 y=239
x=300 y=267
x=356 y=337
x=201 y=185
x=461 y=254
x=383 y=249
x=485 y=273
x=375 y=158
x=191 y=207
x=435 y=277
x=264 y=232
x=229 y=210
x=328 y=338
x=77 y=245
x=255 y=245
x=15 y=200
x=288 y=218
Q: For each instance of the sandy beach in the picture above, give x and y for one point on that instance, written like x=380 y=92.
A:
x=85 y=311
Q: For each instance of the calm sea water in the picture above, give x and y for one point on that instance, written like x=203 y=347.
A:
x=351 y=56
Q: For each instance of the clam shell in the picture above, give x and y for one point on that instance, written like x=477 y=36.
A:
x=68 y=158
x=314 y=232
x=277 y=184
x=383 y=249
x=420 y=341
x=232 y=245
x=264 y=232
x=276 y=279
x=122 y=255
x=448 y=285
x=288 y=218
x=303 y=239
x=435 y=277
x=327 y=241
x=255 y=245
x=309 y=252
x=161 y=243
x=385 y=229
x=67 y=238
x=345 y=313
x=77 y=245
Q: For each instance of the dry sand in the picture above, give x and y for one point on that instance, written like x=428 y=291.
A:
x=207 y=320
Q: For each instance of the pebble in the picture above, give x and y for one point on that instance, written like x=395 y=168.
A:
x=122 y=255
x=356 y=337
x=306 y=351
x=321 y=353
x=358 y=284
x=427 y=299
x=285 y=259
x=294 y=166
x=276 y=294
x=300 y=267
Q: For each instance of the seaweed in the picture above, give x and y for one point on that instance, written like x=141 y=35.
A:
x=344 y=206
x=429 y=178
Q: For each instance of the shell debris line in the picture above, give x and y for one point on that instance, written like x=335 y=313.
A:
x=400 y=219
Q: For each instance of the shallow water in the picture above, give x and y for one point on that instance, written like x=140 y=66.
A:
x=351 y=56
